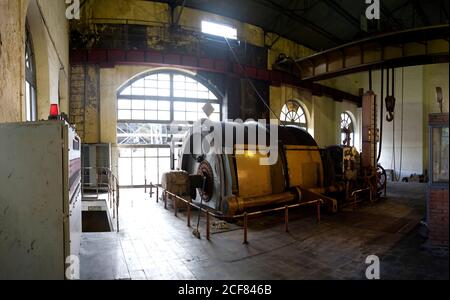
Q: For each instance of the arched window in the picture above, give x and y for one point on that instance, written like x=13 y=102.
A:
x=167 y=97
x=146 y=108
x=293 y=113
x=347 y=130
x=30 y=79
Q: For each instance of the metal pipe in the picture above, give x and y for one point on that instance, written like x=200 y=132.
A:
x=380 y=145
x=189 y=216
x=318 y=212
x=157 y=194
x=208 y=229
x=165 y=200
x=286 y=219
x=245 y=229
x=175 y=208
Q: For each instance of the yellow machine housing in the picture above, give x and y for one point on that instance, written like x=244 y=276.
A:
x=236 y=181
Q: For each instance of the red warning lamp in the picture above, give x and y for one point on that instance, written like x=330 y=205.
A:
x=54 y=112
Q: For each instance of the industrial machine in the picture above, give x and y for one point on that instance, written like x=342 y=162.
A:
x=40 y=200
x=231 y=179
x=230 y=182
x=236 y=181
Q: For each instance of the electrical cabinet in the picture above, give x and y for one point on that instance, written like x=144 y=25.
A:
x=40 y=199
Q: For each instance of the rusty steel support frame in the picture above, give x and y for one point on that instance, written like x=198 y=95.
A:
x=420 y=46
x=108 y=58
x=244 y=216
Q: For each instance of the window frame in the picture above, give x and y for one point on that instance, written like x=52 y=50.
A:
x=292 y=122
x=31 y=107
x=172 y=99
x=341 y=128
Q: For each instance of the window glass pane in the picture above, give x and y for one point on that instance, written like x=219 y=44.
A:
x=215 y=117
x=126 y=91
x=191 y=106
x=151 y=84
x=190 y=80
x=139 y=152
x=138 y=115
x=164 y=77
x=191 y=116
x=216 y=108
x=164 y=93
x=164 y=115
x=28 y=100
x=164 y=105
x=179 y=85
x=164 y=85
x=151 y=171
x=179 y=78
x=139 y=171
x=179 y=106
x=303 y=119
x=124 y=104
x=125 y=171
x=179 y=116
x=33 y=104
x=164 y=166
x=139 y=84
x=203 y=95
x=124 y=114
x=138 y=104
x=164 y=152
x=151 y=92
x=151 y=115
x=150 y=104
x=125 y=152
x=212 y=96
x=179 y=93
x=138 y=91
x=151 y=152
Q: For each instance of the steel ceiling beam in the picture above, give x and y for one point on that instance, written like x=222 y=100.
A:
x=419 y=10
x=405 y=48
x=344 y=13
x=300 y=19
x=385 y=11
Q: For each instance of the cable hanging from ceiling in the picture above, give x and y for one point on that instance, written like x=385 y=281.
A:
x=260 y=97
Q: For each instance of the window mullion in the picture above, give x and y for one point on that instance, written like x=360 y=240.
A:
x=171 y=98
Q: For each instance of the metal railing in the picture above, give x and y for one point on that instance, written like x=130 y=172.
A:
x=244 y=216
x=112 y=188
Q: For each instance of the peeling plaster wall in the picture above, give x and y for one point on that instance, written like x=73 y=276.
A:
x=49 y=31
x=12 y=28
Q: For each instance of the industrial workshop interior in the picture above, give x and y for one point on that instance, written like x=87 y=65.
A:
x=224 y=140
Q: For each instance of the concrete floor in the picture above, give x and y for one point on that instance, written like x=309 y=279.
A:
x=154 y=244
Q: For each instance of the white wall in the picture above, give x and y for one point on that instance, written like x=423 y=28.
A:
x=418 y=98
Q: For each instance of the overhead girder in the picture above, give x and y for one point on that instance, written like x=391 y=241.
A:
x=421 y=46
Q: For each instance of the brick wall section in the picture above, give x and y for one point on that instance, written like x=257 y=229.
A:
x=77 y=98
x=438 y=217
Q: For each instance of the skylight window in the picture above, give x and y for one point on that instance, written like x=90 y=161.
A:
x=219 y=30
